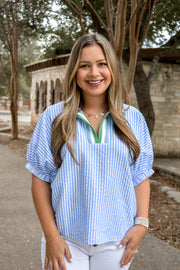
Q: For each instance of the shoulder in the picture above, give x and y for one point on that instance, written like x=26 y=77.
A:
x=53 y=110
x=44 y=123
x=132 y=113
x=136 y=121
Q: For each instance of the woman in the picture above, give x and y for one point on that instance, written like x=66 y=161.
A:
x=91 y=157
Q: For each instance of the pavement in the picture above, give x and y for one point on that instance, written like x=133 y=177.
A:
x=20 y=231
x=170 y=166
x=25 y=117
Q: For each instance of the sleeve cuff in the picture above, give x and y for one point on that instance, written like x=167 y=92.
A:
x=37 y=173
x=141 y=177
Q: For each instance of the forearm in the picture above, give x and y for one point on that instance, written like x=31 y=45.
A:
x=142 y=192
x=136 y=233
x=41 y=193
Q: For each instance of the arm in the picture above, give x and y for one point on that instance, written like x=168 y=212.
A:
x=142 y=192
x=56 y=247
x=135 y=235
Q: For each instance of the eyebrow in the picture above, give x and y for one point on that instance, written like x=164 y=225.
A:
x=100 y=60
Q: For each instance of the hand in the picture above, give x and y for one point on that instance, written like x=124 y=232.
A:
x=131 y=241
x=56 y=249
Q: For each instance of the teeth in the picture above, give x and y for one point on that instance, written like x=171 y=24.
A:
x=94 y=81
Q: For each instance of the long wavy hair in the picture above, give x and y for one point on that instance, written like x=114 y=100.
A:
x=64 y=125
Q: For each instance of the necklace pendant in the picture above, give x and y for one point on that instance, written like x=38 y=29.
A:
x=95 y=115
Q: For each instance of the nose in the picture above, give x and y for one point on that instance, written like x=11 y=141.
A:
x=94 y=71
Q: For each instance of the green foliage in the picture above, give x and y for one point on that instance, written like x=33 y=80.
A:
x=67 y=28
x=3 y=86
x=60 y=42
x=27 y=54
x=32 y=20
x=165 y=22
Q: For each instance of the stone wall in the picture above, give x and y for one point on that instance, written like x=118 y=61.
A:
x=46 y=89
x=165 y=92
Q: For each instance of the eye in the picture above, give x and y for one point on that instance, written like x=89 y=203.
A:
x=102 y=64
x=84 y=66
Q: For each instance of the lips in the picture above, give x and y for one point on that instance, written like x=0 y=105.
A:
x=93 y=83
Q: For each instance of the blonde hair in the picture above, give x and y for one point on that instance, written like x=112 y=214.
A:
x=64 y=125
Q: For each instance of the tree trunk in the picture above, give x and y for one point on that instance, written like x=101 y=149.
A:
x=142 y=89
x=14 y=106
x=14 y=70
x=14 y=118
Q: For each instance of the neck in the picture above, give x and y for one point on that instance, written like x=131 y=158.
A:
x=95 y=104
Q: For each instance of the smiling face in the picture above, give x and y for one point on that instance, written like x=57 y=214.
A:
x=93 y=75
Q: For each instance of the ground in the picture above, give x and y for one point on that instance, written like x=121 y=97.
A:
x=164 y=214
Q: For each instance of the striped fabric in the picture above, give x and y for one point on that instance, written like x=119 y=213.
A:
x=94 y=202
x=91 y=134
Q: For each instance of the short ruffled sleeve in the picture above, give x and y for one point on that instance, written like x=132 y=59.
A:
x=142 y=168
x=39 y=154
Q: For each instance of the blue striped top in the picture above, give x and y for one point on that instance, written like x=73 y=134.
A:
x=93 y=202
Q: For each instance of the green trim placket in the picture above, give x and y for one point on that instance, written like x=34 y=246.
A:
x=98 y=139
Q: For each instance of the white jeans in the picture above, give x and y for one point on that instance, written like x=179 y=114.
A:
x=88 y=257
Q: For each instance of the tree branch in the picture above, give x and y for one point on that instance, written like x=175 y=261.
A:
x=9 y=38
x=109 y=21
x=52 y=11
x=81 y=24
x=15 y=35
x=78 y=11
x=118 y=22
x=137 y=34
x=75 y=10
x=145 y=28
x=93 y=11
x=133 y=14
x=132 y=46
x=120 y=27
x=139 y=20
